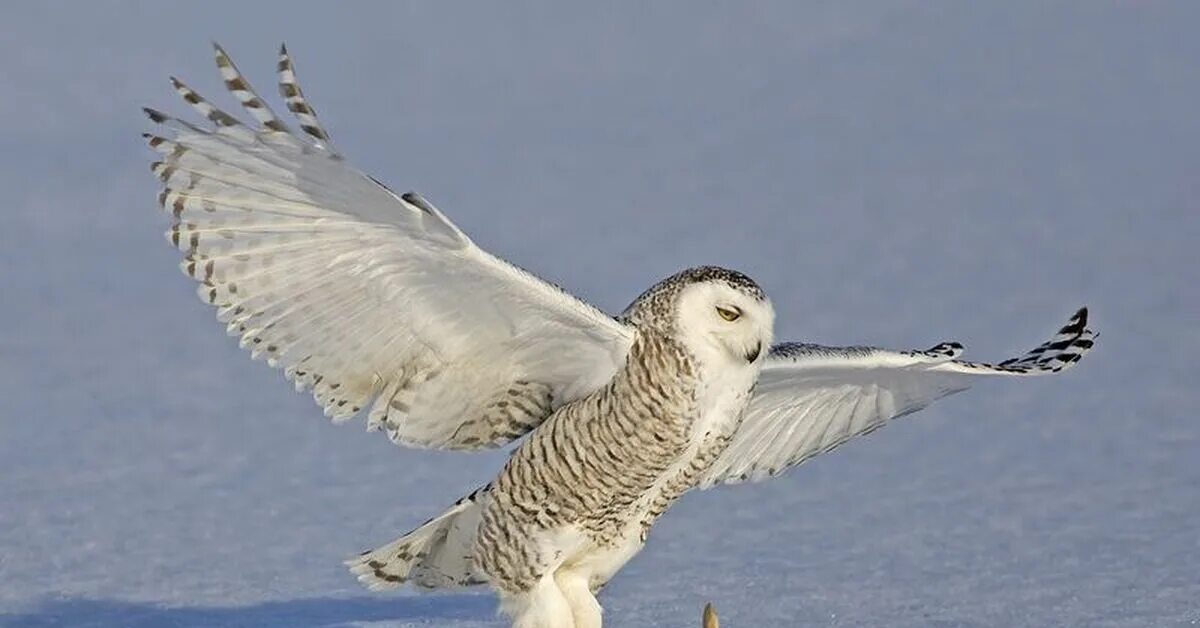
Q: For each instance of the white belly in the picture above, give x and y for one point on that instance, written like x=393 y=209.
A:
x=598 y=564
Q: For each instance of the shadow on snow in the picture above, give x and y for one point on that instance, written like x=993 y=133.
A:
x=302 y=613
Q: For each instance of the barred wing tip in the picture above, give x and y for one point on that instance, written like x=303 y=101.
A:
x=1062 y=351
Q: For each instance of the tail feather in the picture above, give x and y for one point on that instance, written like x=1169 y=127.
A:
x=437 y=555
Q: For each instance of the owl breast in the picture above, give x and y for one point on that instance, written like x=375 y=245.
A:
x=709 y=434
x=721 y=403
x=581 y=493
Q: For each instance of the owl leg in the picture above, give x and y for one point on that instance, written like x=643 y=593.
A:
x=543 y=606
x=584 y=607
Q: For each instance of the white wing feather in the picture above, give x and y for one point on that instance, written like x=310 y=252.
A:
x=373 y=301
x=810 y=399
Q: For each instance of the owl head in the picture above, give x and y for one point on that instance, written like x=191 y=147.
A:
x=721 y=316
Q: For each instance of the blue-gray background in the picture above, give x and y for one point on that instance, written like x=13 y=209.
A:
x=892 y=172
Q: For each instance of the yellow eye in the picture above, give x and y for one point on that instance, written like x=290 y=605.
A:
x=729 y=314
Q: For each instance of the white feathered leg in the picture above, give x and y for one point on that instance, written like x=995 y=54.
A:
x=584 y=607
x=543 y=606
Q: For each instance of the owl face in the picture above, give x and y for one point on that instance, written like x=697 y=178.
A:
x=725 y=323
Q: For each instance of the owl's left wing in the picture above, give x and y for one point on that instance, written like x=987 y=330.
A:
x=812 y=398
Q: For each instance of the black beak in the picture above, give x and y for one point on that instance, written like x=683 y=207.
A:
x=753 y=355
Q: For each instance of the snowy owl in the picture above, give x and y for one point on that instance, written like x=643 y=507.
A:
x=379 y=305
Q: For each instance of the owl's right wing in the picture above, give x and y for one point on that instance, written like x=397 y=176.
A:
x=811 y=398
x=373 y=301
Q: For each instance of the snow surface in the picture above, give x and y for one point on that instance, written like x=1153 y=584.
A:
x=893 y=172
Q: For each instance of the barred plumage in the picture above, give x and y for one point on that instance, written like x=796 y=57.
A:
x=245 y=94
x=293 y=97
x=378 y=304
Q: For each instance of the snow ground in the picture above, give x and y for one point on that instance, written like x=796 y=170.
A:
x=895 y=173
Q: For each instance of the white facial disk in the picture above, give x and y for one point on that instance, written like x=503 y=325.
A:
x=724 y=326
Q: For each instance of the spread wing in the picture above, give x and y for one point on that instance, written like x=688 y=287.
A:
x=374 y=302
x=811 y=398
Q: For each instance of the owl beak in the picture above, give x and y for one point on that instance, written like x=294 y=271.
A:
x=753 y=355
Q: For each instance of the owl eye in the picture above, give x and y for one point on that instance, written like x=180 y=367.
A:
x=729 y=313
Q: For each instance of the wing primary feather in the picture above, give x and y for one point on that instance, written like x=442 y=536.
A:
x=293 y=97
x=202 y=106
x=237 y=85
x=1068 y=345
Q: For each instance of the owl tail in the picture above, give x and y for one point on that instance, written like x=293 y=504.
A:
x=436 y=555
